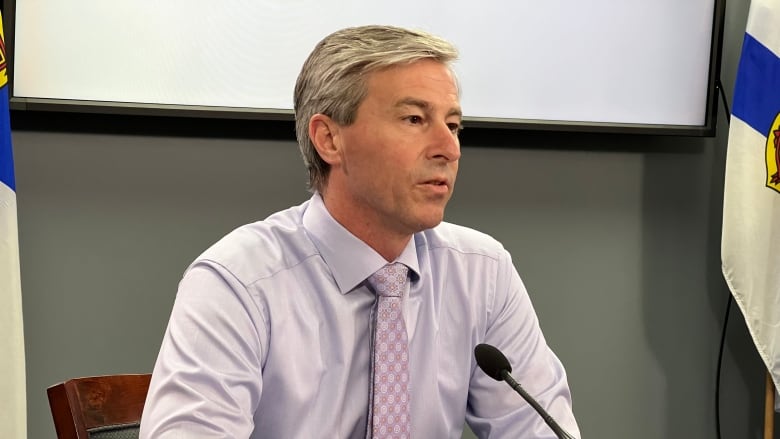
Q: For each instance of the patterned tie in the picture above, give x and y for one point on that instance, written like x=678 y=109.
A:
x=390 y=389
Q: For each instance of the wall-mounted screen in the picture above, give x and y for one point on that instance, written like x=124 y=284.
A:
x=647 y=65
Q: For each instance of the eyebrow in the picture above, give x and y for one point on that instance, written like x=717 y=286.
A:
x=425 y=105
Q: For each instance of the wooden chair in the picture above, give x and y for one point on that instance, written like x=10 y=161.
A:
x=101 y=407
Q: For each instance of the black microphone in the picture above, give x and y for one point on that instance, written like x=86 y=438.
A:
x=494 y=363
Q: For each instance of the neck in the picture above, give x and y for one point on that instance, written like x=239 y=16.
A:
x=385 y=242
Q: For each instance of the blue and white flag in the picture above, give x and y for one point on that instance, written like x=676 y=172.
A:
x=13 y=400
x=750 y=246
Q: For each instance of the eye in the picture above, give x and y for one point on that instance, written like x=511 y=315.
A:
x=456 y=128
x=414 y=119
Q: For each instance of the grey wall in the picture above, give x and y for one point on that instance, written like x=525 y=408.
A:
x=616 y=236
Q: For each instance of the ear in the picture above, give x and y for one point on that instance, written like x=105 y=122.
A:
x=324 y=132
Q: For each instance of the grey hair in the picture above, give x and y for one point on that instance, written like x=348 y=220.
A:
x=333 y=78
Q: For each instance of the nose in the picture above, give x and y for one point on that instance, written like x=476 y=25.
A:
x=445 y=144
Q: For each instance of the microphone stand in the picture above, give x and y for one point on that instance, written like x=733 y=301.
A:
x=559 y=432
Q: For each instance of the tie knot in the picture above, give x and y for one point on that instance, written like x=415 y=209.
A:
x=390 y=280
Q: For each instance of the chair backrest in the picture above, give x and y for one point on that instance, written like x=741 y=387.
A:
x=99 y=407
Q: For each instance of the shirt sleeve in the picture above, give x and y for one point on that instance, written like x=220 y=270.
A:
x=495 y=410
x=207 y=380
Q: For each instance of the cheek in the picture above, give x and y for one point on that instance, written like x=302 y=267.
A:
x=377 y=157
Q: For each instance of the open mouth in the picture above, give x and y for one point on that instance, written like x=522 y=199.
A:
x=437 y=185
x=436 y=182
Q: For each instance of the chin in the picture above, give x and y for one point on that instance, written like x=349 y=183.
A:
x=430 y=222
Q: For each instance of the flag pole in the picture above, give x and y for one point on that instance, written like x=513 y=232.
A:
x=769 y=408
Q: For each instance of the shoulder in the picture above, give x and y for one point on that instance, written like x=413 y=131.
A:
x=460 y=239
x=263 y=248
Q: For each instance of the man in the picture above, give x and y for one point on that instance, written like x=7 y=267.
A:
x=280 y=329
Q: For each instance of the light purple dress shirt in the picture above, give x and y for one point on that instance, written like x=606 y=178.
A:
x=269 y=337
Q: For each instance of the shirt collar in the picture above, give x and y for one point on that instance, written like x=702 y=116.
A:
x=350 y=260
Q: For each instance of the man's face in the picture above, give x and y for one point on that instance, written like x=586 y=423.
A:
x=397 y=162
